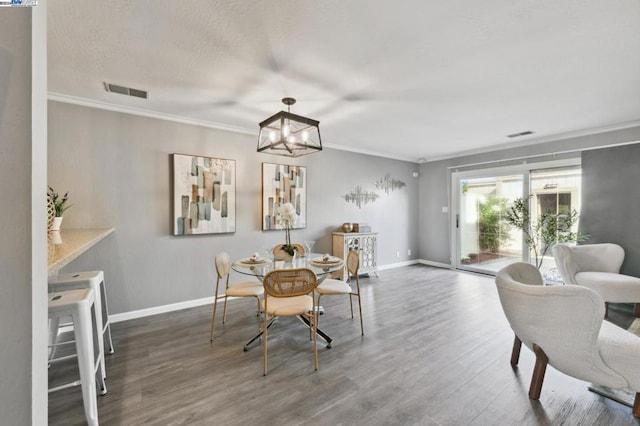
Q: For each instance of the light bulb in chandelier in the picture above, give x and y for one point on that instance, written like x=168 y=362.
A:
x=289 y=134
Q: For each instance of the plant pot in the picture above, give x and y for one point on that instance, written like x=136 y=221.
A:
x=56 y=238
x=57 y=222
x=288 y=257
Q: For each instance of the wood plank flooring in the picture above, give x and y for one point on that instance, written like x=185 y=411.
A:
x=435 y=352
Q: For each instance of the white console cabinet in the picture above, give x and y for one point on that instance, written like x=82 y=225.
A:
x=364 y=243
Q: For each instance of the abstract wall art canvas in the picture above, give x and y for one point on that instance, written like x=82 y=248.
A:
x=204 y=195
x=281 y=184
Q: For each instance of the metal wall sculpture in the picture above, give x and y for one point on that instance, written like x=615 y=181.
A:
x=359 y=197
x=388 y=184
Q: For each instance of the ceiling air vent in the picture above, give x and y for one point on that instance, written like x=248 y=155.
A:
x=114 y=88
x=525 y=133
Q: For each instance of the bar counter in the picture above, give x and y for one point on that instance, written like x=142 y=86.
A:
x=66 y=245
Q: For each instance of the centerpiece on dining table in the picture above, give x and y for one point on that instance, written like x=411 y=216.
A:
x=288 y=218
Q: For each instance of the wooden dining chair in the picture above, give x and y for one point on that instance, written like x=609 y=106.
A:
x=241 y=289
x=279 y=254
x=288 y=294
x=333 y=287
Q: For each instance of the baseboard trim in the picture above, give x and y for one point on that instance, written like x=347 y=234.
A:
x=397 y=265
x=436 y=264
x=141 y=313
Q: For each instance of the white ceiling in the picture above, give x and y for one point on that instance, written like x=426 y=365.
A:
x=406 y=79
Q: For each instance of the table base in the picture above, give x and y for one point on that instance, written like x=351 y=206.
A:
x=305 y=321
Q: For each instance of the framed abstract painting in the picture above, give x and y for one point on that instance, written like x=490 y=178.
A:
x=204 y=195
x=282 y=183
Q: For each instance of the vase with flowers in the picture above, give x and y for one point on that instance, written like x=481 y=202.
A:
x=60 y=205
x=288 y=218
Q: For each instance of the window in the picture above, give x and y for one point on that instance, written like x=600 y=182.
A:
x=483 y=240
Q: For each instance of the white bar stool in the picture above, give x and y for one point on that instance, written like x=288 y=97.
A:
x=95 y=281
x=78 y=303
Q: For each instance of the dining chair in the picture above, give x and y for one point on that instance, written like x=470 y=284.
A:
x=333 y=286
x=241 y=289
x=279 y=254
x=287 y=295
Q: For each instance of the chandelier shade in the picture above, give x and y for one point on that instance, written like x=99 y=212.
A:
x=288 y=134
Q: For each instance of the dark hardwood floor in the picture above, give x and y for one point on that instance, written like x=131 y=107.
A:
x=435 y=352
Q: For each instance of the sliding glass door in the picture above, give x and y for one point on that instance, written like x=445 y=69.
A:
x=555 y=191
x=486 y=242
x=483 y=240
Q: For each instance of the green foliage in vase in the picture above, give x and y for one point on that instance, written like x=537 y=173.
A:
x=548 y=229
x=60 y=204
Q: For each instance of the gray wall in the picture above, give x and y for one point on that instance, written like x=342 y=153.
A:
x=610 y=179
x=23 y=291
x=116 y=169
x=15 y=222
x=435 y=180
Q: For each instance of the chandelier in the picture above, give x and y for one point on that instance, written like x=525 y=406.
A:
x=288 y=134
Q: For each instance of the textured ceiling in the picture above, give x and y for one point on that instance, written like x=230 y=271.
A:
x=404 y=79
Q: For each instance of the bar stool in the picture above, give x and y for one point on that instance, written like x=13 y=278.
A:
x=95 y=281
x=78 y=304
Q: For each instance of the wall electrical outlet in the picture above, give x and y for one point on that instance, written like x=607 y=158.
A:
x=398 y=254
x=409 y=252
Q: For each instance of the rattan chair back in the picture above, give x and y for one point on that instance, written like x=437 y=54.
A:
x=290 y=282
x=223 y=264
x=280 y=254
x=353 y=262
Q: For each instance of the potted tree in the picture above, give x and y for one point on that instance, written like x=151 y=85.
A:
x=546 y=230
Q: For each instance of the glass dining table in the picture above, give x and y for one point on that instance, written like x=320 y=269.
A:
x=322 y=265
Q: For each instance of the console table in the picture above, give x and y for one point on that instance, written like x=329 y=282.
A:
x=365 y=243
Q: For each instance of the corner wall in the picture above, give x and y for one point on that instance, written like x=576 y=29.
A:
x=23 y=291
x=610 y=179
x=116 y=168
x=435 y=181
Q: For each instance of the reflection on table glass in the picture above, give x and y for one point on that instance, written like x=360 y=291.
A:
x=318 y=263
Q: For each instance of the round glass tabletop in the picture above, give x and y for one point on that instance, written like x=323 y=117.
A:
x=314 y=261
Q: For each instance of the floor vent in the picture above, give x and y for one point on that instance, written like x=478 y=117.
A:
x=114 y=88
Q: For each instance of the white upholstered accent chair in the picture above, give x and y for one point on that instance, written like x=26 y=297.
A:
x=289 y=293
x=597 y=266
x=564 y=327
x=242 y=289
x=334 y=287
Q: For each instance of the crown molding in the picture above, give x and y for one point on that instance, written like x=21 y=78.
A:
x=368 y=152
x=540 y=140
x=90 y=103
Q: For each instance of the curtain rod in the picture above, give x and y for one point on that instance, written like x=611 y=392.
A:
x=554 y=154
